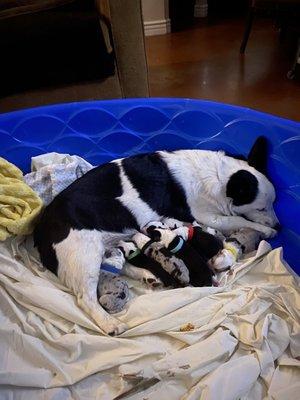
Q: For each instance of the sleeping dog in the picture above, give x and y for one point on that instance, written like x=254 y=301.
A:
x=113 y=201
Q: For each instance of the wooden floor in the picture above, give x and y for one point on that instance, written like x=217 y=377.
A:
x=204 y=62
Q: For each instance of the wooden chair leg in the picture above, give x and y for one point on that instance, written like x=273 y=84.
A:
x=247 y=31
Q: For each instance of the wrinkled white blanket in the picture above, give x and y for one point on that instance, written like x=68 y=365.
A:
x=240 y=341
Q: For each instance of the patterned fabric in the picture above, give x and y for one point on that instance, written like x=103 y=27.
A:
x=53 y=172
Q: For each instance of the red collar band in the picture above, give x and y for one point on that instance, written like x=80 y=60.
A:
x=191 y=232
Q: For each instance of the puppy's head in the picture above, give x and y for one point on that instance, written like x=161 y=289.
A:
x=252 y=194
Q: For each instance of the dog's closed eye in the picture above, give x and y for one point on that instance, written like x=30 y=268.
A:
x=261 y=209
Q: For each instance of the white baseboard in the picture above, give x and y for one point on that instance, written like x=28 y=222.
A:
x=160 y=27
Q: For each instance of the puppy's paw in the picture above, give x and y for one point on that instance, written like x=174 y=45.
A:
x=222 y=261
x=153 y=283
x=150 y=279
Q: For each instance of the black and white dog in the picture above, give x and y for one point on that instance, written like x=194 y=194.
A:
x=113 y=201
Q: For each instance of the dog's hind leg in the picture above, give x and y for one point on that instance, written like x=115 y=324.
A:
x=79 y=257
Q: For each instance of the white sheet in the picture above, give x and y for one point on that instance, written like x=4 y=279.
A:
x=244 y=345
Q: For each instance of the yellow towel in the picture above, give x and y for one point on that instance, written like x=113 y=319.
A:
x=19 y=204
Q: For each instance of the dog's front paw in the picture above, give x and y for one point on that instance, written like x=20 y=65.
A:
x=268 y=233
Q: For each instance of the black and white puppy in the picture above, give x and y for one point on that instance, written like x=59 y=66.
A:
x=135 y=257
x=113 y=201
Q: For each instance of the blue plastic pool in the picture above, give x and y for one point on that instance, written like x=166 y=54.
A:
x=100 y=131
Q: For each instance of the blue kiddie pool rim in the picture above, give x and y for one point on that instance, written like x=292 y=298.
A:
x=157 y=100
x=181 y=122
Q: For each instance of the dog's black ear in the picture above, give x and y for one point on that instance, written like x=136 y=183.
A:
x=257 y=157
x=242 y=188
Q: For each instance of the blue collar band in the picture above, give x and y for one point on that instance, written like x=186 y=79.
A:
x=110 y=268
x=179 y=245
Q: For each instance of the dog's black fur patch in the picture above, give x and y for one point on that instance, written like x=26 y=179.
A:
x=88 y=203
x=150 y=176
x=242 y=187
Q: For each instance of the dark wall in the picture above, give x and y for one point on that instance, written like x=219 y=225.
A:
x=227 y=8
x=53 y=47
x=181 y=14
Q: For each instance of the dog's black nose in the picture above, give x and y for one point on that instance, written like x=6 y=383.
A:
x=277 y=227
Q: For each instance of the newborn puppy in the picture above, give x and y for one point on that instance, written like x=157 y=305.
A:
x=135 y=257
x=205 y=243
x=157 y=251
x=220 y=254
x=113 y=291
x=200 y=273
